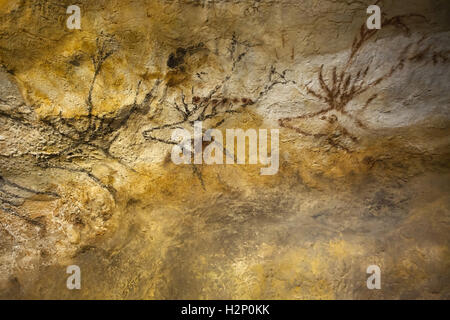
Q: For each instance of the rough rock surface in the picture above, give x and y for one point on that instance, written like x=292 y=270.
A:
x=85 y=170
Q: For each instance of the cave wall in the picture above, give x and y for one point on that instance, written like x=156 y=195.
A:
x=86 y=176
